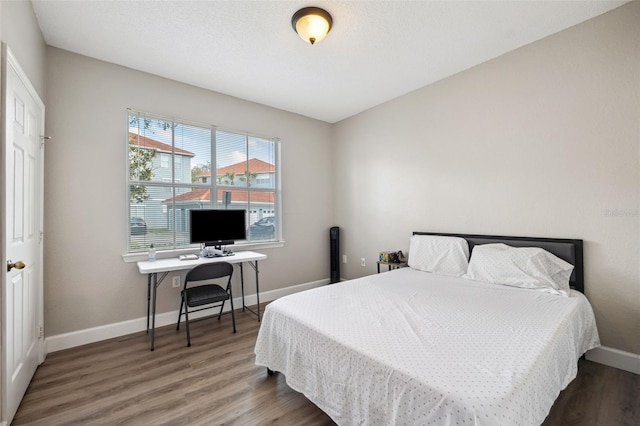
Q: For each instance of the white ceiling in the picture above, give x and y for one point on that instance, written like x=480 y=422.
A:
x=376 y=51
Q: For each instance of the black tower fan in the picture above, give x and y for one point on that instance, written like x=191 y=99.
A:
x=334 y=253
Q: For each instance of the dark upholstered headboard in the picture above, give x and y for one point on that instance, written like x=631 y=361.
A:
x=566 y=249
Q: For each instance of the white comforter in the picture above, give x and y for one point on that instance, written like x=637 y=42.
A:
x=412 y=348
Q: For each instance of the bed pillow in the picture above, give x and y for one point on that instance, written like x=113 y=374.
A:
x=439 y=254
x=525 y=267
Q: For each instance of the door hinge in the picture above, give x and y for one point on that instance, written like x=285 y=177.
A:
x=41 y=236
x=41 y=333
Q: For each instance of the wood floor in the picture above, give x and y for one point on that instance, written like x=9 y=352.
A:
x=119 y=381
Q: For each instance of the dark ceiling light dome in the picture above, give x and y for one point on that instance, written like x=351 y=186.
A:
x=311 y=23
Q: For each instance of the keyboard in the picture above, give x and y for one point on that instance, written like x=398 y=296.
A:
x=188 y=257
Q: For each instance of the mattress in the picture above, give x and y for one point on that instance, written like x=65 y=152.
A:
x=408 y=347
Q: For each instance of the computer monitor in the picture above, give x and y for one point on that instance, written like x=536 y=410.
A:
x=217 y=228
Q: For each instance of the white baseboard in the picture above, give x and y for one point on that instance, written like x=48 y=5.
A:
x=109 y=331
x=615 y=358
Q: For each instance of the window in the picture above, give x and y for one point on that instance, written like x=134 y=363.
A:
x=164 y=160
x=170 y=173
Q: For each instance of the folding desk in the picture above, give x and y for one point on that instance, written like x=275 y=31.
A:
x=164 y=266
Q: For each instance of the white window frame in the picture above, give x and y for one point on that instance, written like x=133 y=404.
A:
x=131 y=256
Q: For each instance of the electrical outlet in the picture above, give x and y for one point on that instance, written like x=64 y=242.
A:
x=176 y=281
x=344 y=258
x=362 y=262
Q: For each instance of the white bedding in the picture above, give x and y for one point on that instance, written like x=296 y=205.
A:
x=408 y=347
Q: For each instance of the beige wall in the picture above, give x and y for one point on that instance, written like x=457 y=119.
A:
x=87 y=283
x=543 y=141
x=20 y=30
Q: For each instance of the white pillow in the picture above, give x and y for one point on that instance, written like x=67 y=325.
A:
x=439 y=254
x=525 y=267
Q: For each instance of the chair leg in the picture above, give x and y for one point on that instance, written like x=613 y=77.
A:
x=233 y=315
x=180 y=313
x=186 y=317
x=221 y=308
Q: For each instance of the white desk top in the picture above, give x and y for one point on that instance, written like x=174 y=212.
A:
x=175 y=264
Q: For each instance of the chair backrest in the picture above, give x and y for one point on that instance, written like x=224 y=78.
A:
x=209 y=271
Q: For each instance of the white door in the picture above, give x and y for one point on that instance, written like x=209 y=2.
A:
x=22 y=184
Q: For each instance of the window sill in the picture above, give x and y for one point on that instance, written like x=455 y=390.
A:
x=165 y=254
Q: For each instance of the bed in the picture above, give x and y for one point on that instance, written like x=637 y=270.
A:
x=411 y=347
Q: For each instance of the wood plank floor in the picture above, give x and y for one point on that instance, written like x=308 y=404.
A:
x=119 y=381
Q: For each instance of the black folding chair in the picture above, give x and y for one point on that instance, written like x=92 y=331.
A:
x=206 y=296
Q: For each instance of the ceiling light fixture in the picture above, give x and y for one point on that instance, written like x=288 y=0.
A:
x=311 y=23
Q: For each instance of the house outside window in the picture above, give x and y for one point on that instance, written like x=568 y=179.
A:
x=161 y=192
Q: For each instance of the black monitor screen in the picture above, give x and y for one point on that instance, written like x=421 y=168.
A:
x=217 y=227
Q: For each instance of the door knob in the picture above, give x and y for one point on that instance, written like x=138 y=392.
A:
x=19 y=265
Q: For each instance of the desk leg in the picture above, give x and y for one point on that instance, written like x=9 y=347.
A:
x=255 y=268
x=242 y=285
x=155 y=282
x=257 y=290
x=148 y=300
x=153 y=319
